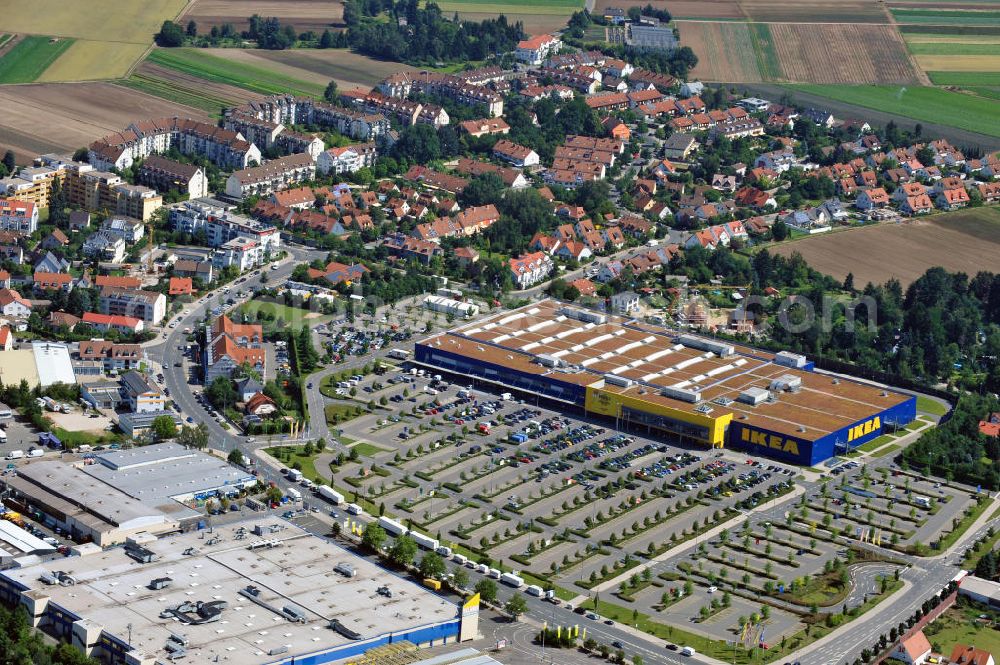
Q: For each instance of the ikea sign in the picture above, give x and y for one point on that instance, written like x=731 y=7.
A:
x=864 y=429
x=770 y=440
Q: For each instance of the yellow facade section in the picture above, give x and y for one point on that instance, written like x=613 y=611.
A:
x=610 y=403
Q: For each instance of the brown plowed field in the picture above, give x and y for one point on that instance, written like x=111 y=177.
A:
x=966 y=241
x=64 y=116
x=842 y=53
x=724 y=49
x=315 y=15
x=683 y=8
x=814 y=11
x=229 y=93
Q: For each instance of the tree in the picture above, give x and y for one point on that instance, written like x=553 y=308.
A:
x=8 y=161
x=170 y=35
x=235 y=457
x=373 y=537
x=459 y=577
x=192 y=29
x=330 y=94
x=487 y=590
x=516 y=606
x=163 y=427
x=221 y=393
x=779 y=231
x=326 y=40
x=194 y=437
x=403 y=551
x=432 y=566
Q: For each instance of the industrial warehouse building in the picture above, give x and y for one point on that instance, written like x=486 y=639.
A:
x=255 y=592
x=697 y=388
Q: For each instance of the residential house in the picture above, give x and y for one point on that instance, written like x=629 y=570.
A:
x=6 y=338
x=778 y=161
x=573 y=250
x=104 y=246
x=407 y=247
x=472 y=167
x=66 y=320
x=49 y=262
x=142 y=395
x=242 y=253
x=485 y=127
x=247 y=387
x=584 y=286
x=962 y=654
x=516 y=154
x=79 y=220
x=692 y=88
x=751 y=197
x=724 y=183
x=20 y=217
x=952 y=199
x=347 y=159
x=535 y=50
x=200 y=270
x=917 y=205
x=529 y=269
x=872 y=198
x=55 y=240
x=626 y=302
x=97 y=356
x=261 y=405
x=53 y=281
x=914 y=650
x=127 y=228
x=123 y=324
x=679 y=146
x=465 y=256
x=340 y=273
x=12 y=304
x=989 y=191
x=181 y=286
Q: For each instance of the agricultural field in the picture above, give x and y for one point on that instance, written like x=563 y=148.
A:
x=348 y=69
x=813 y=11
x=923 y=104
x=132 y=23
x=842 y=53
x=315 y=15
x=686 y=9
x=40 y=118
x=26 y=60
x=988 y=16
x=236 y=67
x=185 y=89
x=969 y=61
x=905 y=251
x=537 y=17
x=722 y=49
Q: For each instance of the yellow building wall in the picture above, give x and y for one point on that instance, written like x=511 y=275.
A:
x=610 y=403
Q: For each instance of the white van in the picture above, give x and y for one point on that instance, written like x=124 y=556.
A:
x=688 y=651
x=482 y=568
x=36 y=452
x=15 y=454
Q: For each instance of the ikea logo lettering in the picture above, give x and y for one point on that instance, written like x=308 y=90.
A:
x=865 y=428
x=767 y=440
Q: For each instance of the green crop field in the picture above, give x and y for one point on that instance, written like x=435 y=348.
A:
x=946 y=16
x=919 y=103
x=30 y=57
x=964 y=79
x=171 y=92
x=220 y=70
x=953 y=48
x=767 y=58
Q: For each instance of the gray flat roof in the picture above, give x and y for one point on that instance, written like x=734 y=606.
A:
x=112 y=590
x=158 y=472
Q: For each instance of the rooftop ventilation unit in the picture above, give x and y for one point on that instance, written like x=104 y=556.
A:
x=616 y=380
x=682 y=394
x=754 y=396
x=704 y=408
x=294 y=614
x=160 y=583
x=786 y=382
x=583 y=315
x=721 y=348
x=789 y=359
x=723 y=401
x=549 y=361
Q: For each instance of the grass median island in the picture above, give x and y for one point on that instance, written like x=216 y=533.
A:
x=30 y=57
x=931 y=406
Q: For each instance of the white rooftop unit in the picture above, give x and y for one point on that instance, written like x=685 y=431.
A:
x=583 y=315
x=754 y=396
x=789 y=359
x=721 y=348
x=549 y=361
x=616 y=380
x=787 y=382
x=683 y=394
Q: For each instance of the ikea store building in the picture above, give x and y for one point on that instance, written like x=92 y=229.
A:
x=677 y=384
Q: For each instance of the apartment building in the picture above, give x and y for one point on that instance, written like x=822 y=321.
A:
x=101 y=191
x=406 y=111
x=347 y=159
x=228 y=346
x=104 y=246
x=20 y=217
x=537 y=49
x=127 y=228
x=272 y=176
x=165 y=174
x=142 y=394
x=291 y=110
x=220 y=225
x=449 y=86
x=225 y=148
x=149 y=306
x=243 y=253
x=104 y=322
x=529 y=269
